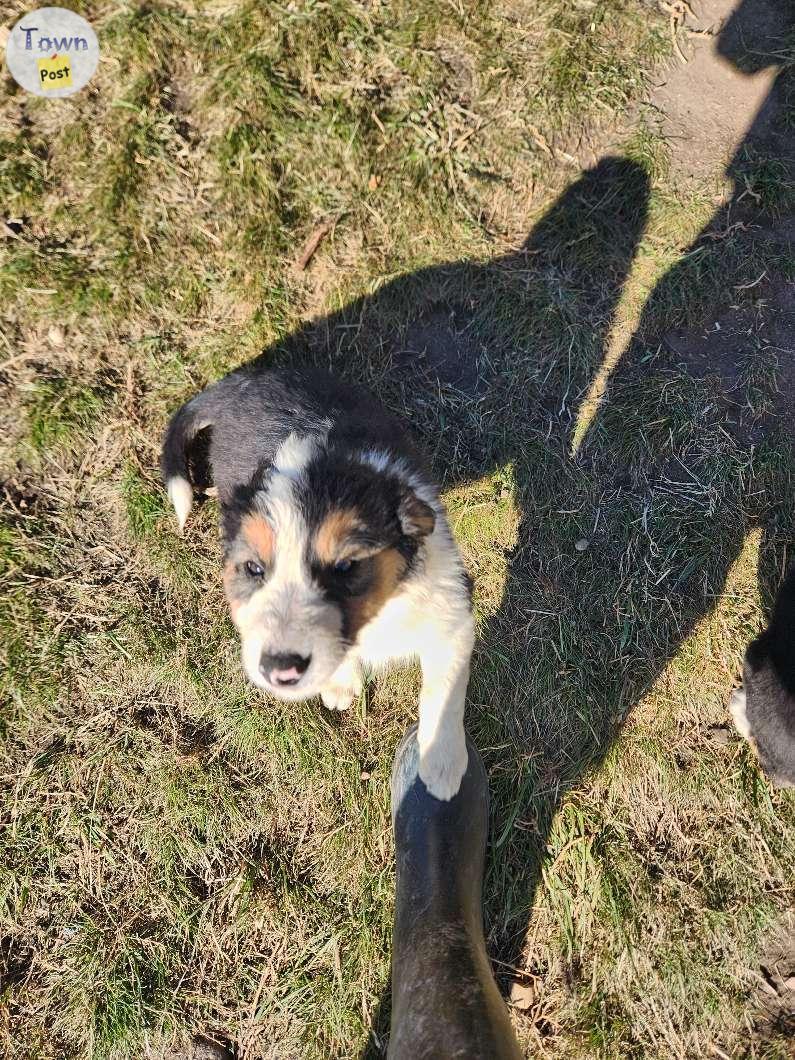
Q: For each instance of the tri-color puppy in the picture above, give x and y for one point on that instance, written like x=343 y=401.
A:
x=338 y=554
x=764 y=708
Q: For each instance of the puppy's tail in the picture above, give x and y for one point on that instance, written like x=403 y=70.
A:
x=185 y=424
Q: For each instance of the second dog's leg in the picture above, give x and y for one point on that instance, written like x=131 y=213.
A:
x=445 y=676
x=737 y=707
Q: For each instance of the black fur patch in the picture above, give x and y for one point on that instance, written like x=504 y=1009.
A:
x=249 y=414
x=769 y=683
x=335 y=482
x=777 y=643
x=242 y=503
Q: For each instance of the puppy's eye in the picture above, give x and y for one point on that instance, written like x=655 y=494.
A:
x=253 y=570
x=343 y=566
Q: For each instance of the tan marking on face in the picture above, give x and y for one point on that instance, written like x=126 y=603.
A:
x=390 y=567
x=258 y=535
x=333 y=536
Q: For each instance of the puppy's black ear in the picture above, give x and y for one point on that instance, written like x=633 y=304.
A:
x=417 y=519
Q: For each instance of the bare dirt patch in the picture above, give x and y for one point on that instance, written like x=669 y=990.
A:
x=442 y=343
x=727 y=112
x=774 y=998
x=709 y=103
x=747 y=349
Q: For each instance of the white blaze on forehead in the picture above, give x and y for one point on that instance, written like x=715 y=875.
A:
x=291 y=461
x=290 y=573
x=294 y=454
x=290 y=578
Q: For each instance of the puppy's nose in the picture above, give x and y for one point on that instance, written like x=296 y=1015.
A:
x=281 y=670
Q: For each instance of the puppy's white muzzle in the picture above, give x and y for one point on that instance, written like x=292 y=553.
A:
x=292 y=643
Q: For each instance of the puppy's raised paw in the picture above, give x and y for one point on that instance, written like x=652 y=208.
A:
x=336 y=698
x=442 y=767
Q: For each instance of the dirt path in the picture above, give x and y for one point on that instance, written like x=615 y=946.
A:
x=709 y=103
x=726 y=115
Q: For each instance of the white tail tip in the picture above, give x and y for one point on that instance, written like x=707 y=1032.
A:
x=180 y=493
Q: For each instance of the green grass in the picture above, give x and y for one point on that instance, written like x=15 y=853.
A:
x=768 y=181
x=58 y=407
x=181 y=857
x=145 y=505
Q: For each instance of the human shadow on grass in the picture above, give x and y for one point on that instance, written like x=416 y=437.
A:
x=689 y=450
x=488 y=363
x=491 y=363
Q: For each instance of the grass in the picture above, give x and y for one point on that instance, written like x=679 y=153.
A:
x=180 y=857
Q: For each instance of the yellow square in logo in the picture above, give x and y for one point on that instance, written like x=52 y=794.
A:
x=55 y=72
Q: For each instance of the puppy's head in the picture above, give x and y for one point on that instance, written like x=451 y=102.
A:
x=314 y=548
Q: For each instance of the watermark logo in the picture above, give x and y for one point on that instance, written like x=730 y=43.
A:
x=52 y=52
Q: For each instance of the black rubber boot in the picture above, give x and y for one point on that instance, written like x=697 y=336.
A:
x=445 y=1002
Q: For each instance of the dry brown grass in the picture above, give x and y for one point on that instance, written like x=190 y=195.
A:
x=179 y=856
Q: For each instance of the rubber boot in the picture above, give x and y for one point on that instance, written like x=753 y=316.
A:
x=445 y=1002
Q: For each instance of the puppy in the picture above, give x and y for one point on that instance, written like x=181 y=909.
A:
x=764 y=708
x=337 y=551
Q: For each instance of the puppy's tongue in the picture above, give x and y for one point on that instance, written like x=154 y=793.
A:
x=279 y=677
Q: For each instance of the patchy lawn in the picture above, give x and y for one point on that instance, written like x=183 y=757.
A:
x=594 y=342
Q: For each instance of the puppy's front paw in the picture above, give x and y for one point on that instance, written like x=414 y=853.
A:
x=336 y=698
x=442 y=767
x=737 y=704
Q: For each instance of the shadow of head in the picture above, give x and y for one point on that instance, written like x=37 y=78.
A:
x=597 y=222
x=457 y=348
x=570 y=269
x=757 y=35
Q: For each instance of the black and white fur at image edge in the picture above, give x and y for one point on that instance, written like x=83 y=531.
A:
x=764 y=707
